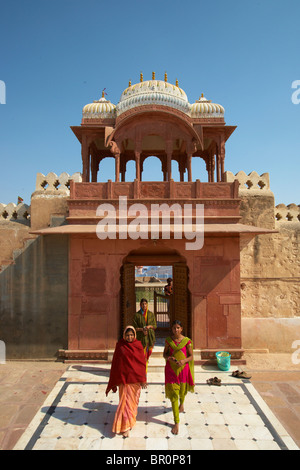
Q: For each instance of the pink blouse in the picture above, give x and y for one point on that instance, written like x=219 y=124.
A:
x=185 y=375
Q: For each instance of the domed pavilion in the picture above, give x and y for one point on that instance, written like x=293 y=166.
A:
x=153 y=118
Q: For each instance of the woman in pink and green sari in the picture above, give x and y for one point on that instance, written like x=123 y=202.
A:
x=179 y=370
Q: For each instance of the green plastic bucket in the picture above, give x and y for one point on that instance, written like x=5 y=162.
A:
x=223 y=360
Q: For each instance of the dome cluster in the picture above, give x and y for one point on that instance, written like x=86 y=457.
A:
x=153 y=92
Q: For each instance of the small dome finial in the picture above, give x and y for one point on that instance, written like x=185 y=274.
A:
x=166 y=77
x=153 y=75
x=141 y=77
x=177 y=82
x=129 y=84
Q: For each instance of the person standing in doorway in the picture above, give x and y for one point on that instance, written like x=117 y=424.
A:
x=145 y=324
x=168 y=290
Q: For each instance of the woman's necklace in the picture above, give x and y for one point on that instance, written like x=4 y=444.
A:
x=177 y=340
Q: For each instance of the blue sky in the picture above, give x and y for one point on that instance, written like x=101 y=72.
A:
x=56 y=56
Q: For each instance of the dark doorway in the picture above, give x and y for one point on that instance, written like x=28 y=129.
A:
x=177 y=306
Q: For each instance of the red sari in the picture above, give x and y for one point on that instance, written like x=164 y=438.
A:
x=128 y=372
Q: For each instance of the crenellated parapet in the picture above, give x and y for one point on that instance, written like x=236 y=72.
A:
x=52 y=184
x=287 y=215
x=251 y=183
x=15 y=213
x=49 y=200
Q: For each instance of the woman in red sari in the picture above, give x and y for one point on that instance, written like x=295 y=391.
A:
x=128 y=372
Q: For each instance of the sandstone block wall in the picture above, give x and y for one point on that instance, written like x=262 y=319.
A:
x=270 y=267
x=34 y=272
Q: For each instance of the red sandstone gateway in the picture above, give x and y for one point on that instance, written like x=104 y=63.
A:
x=154 y=118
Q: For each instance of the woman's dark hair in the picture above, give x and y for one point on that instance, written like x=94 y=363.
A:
x=177 y=322
x=144 y=300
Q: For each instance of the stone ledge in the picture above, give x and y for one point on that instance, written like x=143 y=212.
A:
x=83 y=355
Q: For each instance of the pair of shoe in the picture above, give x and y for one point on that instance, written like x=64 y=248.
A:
x=214 y=381
x=241 y=374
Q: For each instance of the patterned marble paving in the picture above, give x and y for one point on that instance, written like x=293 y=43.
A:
x=78 y=416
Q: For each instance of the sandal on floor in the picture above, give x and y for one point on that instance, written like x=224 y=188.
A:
x=241 y=374
x=214 y=381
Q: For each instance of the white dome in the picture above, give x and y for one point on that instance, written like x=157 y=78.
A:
x=204 y=108
x=156 y=92
x=100 y=109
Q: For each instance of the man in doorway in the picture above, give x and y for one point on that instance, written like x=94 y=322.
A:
x=168 y=289
x=144 y=323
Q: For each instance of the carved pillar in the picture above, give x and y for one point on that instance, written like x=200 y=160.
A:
x=181 y=172
x=123 y=169
x=137 y=155
x=116 y=153
x=189 y=167
x=181 y=168
x=218 y=164
x=206 y=158
x=191 y=148
x=169 y=150
x=117 y=167
x=141 y=167
x=164 y=168
x=222 y=158
x=85 y=154
x=213 y=167
x=94 y=167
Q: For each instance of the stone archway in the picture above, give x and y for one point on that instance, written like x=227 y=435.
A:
x=181 y=294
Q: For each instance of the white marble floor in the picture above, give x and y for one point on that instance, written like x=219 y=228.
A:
x=78 y=416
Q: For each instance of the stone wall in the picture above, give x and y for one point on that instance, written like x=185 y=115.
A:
x=34 y=272
x=34 y=299
x=270 y=267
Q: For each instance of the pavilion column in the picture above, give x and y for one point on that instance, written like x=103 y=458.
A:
x=206 y=158
x=222 y=158
x=181 y=170
x=189 y=167
x=94 y=168
x=85 y=154
x=218 y=165
x=123 y=170
x=169 y=151
x=117 y=167
x=191 y=148
x=212 y=167
x=164 y=170
x=115 y=150
x=137 y=164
